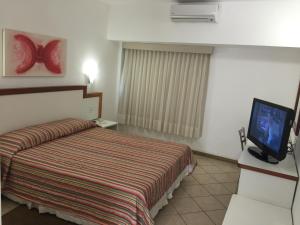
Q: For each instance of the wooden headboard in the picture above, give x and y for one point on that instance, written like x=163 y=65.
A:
x=20 y=107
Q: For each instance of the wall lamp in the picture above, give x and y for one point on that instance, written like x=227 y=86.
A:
x=90 y=70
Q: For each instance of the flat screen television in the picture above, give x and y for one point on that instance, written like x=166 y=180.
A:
x=269 y=129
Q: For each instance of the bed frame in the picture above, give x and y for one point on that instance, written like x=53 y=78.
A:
x=21 y=107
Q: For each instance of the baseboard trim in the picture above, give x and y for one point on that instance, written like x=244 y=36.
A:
x=215 y=157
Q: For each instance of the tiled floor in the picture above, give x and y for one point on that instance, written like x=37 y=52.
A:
x=202 y=198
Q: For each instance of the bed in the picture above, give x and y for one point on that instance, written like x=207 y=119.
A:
x=90 y=175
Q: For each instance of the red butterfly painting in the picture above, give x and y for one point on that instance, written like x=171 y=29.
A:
x=33 y=55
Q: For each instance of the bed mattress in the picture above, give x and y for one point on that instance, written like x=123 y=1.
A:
x=93 y=174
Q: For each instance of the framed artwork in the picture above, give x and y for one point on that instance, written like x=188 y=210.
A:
x=28 y=54
x=297 y=112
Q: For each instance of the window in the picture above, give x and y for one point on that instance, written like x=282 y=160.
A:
x=164 y=90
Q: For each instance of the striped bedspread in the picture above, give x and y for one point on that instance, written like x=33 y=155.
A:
x=94 y=174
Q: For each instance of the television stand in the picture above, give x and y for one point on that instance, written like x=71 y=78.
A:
x=270 y=183
x=259 y=154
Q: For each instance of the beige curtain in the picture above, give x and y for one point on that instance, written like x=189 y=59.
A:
x=164 y=91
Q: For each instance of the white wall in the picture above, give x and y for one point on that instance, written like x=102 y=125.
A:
x=84 y=25
x=237 y=75
x=243 y=22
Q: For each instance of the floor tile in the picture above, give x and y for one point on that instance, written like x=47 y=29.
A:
x=168 y=209
x=168 y=220
x=232 y=187
x=217 y=189
x=229 y=168
x=180 y=193
x=211 y=169
x=196 y=191
x=234 y=176
x=203 y=197
x=224 y=199
x=205 y=179
x=217 y=216
x=203 y=162
x=199 y=170
x=197 y=219
x=221 y=177
x=189 y=180
x=7 y=205
x=194 y=160
x=185 y=205
x=225 y=177
x=208 y=203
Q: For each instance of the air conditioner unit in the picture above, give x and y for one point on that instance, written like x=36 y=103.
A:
x=204 y=12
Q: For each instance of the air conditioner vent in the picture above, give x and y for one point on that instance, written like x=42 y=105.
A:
x=204 y=12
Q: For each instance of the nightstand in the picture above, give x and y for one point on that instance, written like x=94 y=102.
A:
x=107 y=124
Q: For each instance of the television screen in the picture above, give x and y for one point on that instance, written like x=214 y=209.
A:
x=269 y=129
x=268 y=125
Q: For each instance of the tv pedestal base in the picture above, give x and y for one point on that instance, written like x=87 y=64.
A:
x=259 y=154
x=270 y=183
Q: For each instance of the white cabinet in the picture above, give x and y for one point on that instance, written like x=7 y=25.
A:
x=265 y=193
x=245 y=211
x=270 y=183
